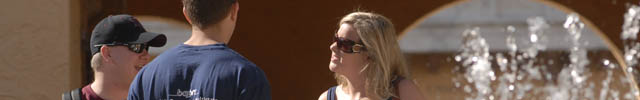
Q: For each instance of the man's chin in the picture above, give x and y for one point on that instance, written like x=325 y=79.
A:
x=138 y=67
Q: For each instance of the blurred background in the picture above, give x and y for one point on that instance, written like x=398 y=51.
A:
x=44 y=43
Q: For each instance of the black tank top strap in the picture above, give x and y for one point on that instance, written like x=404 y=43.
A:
x=394 y=83
x=396 y=80
x=331 y=93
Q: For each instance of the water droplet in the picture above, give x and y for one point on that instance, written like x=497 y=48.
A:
x=492 y=76
x=511 y=87
x=534 y=38
x=474 y=59
x=467 y=89
x=511 y=29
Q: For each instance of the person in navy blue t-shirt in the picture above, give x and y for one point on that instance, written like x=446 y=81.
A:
x=203 y=68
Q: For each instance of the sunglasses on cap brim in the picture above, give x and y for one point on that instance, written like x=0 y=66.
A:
x=135 y=47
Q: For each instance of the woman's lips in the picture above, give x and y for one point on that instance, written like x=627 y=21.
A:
x=334 y=59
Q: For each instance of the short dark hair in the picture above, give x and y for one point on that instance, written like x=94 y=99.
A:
x=206 y=12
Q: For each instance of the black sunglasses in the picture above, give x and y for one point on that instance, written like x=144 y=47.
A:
x=137 y=48
x=349 y=46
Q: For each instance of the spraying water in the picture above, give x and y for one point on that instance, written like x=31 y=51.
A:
x=476 y=59
x=521 y=75
x=630 y=29
x=572 y=83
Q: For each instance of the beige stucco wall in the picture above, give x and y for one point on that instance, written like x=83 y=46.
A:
x=39 y=59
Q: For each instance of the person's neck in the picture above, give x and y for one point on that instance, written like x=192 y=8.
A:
x=355 y=87
x=208 y=36
x=108 y=89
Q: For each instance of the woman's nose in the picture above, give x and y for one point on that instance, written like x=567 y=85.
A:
x=333 y=46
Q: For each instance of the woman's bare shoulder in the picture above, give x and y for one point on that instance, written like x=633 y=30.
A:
x=323 y=96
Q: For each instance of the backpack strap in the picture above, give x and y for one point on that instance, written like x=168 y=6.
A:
x=74 y=94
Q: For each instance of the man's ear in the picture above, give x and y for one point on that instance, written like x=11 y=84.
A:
x=106 y=53
x=235 y=7
x=186 y=15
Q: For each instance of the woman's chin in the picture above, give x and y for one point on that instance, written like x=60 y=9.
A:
x=332 y=67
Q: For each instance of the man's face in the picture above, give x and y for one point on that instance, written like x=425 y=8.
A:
x=127 y=63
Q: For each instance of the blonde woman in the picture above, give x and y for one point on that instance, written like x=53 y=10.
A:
x=367 y=61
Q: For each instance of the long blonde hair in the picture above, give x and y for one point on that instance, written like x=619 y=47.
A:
x=384 y=56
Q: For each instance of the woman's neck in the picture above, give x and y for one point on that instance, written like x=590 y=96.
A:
x=355 y=87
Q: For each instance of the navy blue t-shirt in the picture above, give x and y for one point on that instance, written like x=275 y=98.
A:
x=211 y=72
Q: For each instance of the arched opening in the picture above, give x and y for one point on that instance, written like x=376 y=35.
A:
x=435 y=43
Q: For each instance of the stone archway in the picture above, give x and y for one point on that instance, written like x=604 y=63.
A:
x=611 y=39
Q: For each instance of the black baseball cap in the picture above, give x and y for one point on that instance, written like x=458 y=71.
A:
x=123 y=29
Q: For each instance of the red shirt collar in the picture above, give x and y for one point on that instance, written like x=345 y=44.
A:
x=88 y=93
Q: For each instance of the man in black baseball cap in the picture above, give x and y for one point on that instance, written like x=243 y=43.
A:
x=119 y=47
